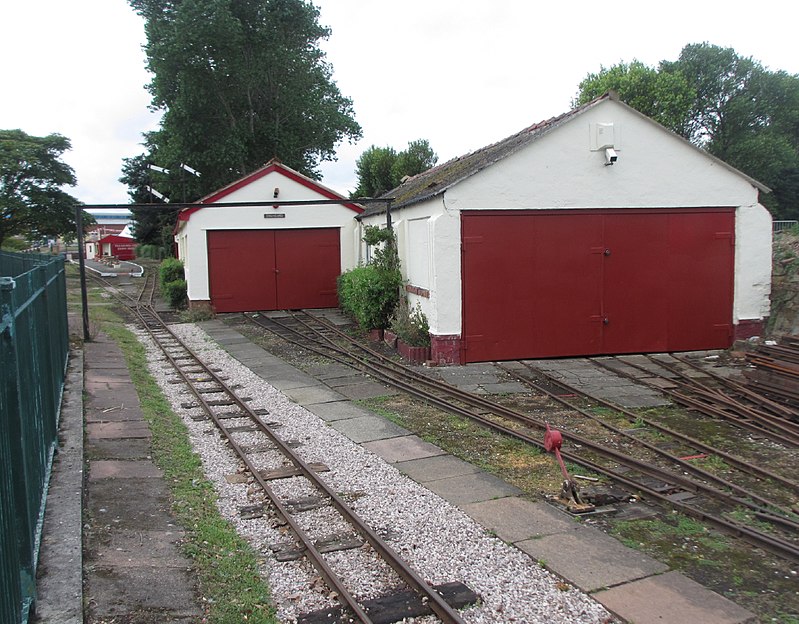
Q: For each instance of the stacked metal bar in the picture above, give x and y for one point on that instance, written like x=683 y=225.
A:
x=776 y=370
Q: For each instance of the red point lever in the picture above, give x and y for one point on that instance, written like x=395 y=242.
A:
x=570 y=493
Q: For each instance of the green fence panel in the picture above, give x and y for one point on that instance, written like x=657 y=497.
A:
x=34 y=347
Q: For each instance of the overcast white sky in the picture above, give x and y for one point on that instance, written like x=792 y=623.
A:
x=460 y=73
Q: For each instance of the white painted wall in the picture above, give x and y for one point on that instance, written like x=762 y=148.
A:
x=442 y=308
x=192 y=237
x=655 y=169
x=753 y=240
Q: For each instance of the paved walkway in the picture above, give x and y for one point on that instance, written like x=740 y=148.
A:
x=130 y=537
x=132 y=567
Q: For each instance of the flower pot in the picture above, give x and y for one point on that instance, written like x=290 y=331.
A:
x=416 y=355
x=375 y=335
x=390 y=338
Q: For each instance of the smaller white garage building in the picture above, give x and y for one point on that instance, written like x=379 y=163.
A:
x=243 y=257
x=595 y=232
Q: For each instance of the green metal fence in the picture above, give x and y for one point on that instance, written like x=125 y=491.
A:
x=34 y=347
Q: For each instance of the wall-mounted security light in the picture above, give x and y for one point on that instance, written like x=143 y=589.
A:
x=610 y=156
x=276 y=192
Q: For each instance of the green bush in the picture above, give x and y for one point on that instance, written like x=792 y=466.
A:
x=12 y=243
x=175 y=293
x=171 y=269
x=369 y=294
x=154 y=252
x=173 y=283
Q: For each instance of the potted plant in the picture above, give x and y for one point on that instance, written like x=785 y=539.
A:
x=412 y=331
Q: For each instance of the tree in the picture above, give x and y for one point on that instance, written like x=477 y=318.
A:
x=666 y=97
x=32 y=203
x=731 y=106
x=381 y=169
x=239 y=82
x=153 y=226
x=721 y=81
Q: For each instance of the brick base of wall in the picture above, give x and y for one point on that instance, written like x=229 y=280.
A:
x=200 y=305
x=445 y=349
x=747 y=328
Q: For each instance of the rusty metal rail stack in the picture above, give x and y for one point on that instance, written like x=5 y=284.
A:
x=776 y=371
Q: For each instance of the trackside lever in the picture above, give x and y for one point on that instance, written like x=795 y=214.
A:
x=569 y=492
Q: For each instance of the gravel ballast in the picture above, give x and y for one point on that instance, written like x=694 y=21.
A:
x=437 y=539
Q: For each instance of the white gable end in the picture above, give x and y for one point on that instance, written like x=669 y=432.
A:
x=655 y=169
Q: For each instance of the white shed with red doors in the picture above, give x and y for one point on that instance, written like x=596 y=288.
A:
x=243 y=257
x=596 y=232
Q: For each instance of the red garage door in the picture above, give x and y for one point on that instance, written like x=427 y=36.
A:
x=273 y=269
x=586 y=282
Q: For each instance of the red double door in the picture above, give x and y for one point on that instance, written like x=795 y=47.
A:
x=568 y=283
x=273 y=269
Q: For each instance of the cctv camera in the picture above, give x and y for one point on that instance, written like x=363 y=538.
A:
x=610 y=156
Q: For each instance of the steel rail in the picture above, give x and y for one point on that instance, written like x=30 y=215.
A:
x=528 y=420
x=524 y=419
x=724 y=407
x=430 y=595
x=777 y=420
x=313 y=554
x=768 y=416
x=683 y=464
x=148 y=289
x=778 y=409
x=434 y=600
x=776 y=545
x=711 y=403
x=744 y=466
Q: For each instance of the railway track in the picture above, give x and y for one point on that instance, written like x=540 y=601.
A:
x=663 y=477
x=728 y=400
x=233 y=417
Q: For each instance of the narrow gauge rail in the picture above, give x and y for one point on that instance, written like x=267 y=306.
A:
x=763 y=508
x=745 y=394
x=762 y=419
x=751 y=469
x=146 y=293
x=197 y=376
x=317 y=335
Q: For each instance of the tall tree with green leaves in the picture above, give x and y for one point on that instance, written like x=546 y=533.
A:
x=728 y=104
x=32 y=174
x=666 y=97
x=239 y=82
x=380 y=169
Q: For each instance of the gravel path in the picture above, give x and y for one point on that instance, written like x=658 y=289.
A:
x=437 y=539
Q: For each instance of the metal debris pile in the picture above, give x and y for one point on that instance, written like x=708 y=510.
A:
x=776 y=371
